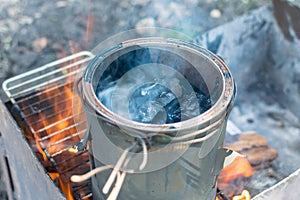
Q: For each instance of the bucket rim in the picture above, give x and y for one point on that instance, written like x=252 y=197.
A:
x=216 y=112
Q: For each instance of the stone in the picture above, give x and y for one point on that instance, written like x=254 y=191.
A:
x=140 y=2
x=61 y=4
x=215 y=13
x=39 y=44
x=25 y=20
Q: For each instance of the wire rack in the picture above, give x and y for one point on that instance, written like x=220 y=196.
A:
x=42 y=98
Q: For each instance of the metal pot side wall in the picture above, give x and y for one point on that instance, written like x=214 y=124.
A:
x=192 y=176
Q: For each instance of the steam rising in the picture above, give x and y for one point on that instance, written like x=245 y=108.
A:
x=151 y=85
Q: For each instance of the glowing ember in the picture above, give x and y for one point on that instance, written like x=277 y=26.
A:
x=73 y=150
x=244 y=196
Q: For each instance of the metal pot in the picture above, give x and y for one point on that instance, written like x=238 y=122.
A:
x=163 y=104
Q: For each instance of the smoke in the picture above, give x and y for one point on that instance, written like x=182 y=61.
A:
x=152 y=85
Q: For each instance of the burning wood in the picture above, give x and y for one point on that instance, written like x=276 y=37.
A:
x=232 y=178
x=258 y=155
x=256 y=149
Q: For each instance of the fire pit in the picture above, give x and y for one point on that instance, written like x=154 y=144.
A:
x=261 y=75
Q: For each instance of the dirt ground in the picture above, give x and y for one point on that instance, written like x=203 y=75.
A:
x=33 y=33
x=36 y=32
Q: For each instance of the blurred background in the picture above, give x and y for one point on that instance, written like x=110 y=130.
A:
x=33 y=33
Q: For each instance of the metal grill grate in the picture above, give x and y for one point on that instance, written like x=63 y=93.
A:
x=44 y=93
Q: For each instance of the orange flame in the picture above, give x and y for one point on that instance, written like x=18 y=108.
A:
x=60 y=124
x=61 y=98
x=89 y=28
x=53 y=175
x=63 y=109
x=244 y=196
x=239 y=168
x=53 y=127
x=65 y=188
x=39 y=149
x=230 y=177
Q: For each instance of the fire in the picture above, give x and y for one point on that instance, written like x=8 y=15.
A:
x=230 y=176
x=64 y=186
x=53 y=175
x=239 y=168
x=61 y=106
x=50 y=122
x=52 y=127
x=244 y=196
x=61 y=100
x=59 y=124
x=39 y=149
